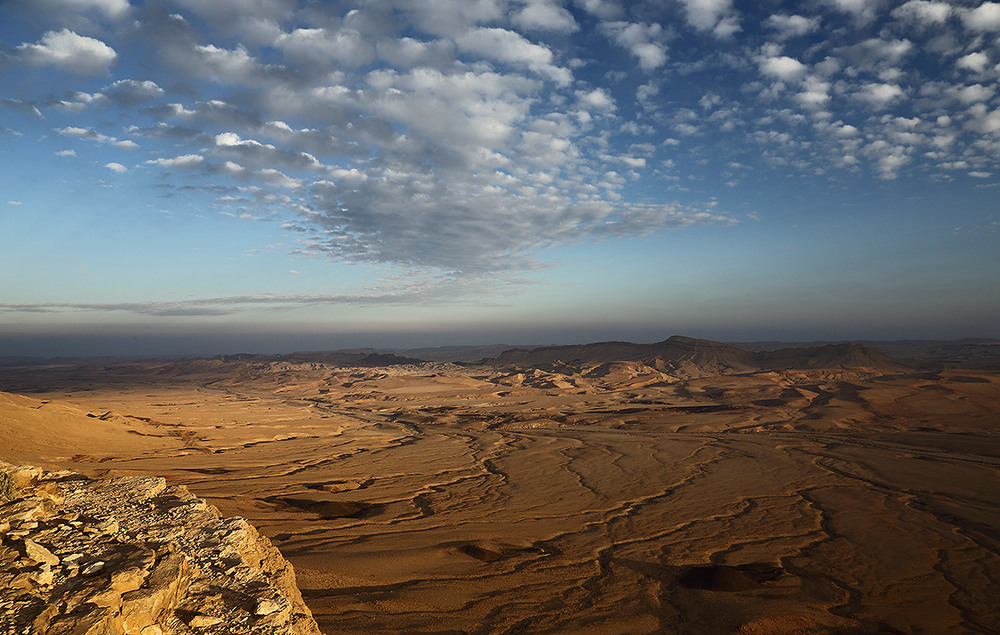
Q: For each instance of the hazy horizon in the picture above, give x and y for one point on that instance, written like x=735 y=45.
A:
x=144 y=344
x=182 y=176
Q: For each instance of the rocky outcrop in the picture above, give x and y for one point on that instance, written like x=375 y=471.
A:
x=133 y=555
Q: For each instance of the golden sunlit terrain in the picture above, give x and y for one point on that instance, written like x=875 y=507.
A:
x=563 y=490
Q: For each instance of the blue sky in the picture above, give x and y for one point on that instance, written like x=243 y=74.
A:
x=190 y=176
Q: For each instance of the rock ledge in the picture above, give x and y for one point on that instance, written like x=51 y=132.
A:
x=131 y=555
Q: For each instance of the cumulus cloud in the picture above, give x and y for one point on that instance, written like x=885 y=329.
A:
x=131 y=92
x=864 y=11
x=325 y=48
x=597 y=99
x=643 y=40
x=784 y=68
x=976 y=62
x=70 y=51
x=716 y=16
x=923 y=12
x=985 y=17
x=512 y=48
x=63 y=10
x=92 y=135
x=184 y=161
x=880 y=95
x=543 y=15
x=118 y=168
x=605 y=9
x=789 y=26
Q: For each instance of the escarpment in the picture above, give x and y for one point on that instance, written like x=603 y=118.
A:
x=134 y=555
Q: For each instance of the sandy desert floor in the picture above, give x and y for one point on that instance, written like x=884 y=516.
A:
x=610 y=498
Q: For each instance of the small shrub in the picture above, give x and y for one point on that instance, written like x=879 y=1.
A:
x=8 y=490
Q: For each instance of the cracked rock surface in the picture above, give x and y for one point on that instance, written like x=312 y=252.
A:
x=133 y=555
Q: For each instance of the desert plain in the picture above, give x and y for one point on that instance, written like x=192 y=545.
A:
x=684 y=487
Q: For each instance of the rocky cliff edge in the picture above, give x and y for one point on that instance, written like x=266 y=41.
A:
x=132 y=555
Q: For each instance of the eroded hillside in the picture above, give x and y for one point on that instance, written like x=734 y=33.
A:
x=830 y=491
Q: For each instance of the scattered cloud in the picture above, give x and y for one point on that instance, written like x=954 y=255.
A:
x=715 y=16
x=985 y=17
x=645 y=41
x=543 y=15
x=184 y=162
x=469 y=136
x=790 y=26
x=70 y=51
x=923 y=11
x=864 y=11
x=976 y=62
x=784 y=68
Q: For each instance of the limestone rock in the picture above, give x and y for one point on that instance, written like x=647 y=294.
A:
x=38 y=553
x=134 y=555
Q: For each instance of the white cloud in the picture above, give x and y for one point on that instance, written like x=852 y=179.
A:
x=233 y=139
x=325 y=48
x=983 y=120
x=717 y=16
x=923 y=11
x=118 y=168
x=448 y=17
x=980 y=175
x=789 y=26
x=604 y=9
x=784 y=68
x=597 y=99
x=877 y=54
x=93 y=135
x=985 y=17
x=976 y=62
x=972 y=94
x=66 y=153
x=642 y=40
x=545 y=16
x=65 y=49
x=85 y=133
x=185 y=161
x=512 y=48
x=129 y=92
x=815 y=93
x=880 y=95
x=68 y=9
x=225 y=13
x=225 y=66
x=276 y=177
x=15 y=203
x=233 y=168
x=406 y=53
x=864 y=11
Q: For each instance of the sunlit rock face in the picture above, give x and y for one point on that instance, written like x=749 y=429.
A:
x=133 y=555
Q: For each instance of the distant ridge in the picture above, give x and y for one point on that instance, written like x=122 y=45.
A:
x=847 y=355
x=697 y=356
